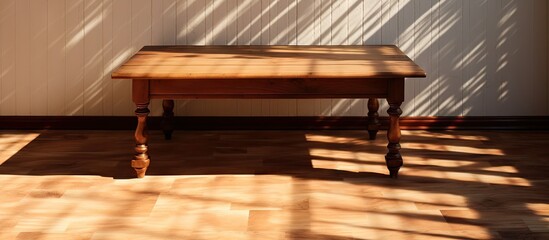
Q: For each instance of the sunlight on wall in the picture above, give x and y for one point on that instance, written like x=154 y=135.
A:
x=468 y=48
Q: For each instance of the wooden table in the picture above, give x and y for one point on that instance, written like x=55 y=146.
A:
x=183 y=72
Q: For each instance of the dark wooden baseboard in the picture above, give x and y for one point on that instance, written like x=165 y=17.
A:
x=273 y=123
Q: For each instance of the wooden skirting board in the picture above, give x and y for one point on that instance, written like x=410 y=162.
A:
x=272 y=123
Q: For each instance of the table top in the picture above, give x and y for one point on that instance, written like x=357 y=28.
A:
x=230 y=62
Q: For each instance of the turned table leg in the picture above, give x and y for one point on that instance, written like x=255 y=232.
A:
x=393 y=157
x=168 y=123
x=373 y=121
x=141 y=159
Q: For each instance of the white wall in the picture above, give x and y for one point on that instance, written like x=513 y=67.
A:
x=483 y=57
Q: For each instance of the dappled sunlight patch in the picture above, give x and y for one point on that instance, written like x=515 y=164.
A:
x=12 y=143
x=338 y=189
x=334 y=164
x=336 y=139
x=420 y=161
x=445 y=135
x=358 y=157
x=540 y=221
x=452 y=148
x=427 y=200
x=449 y=175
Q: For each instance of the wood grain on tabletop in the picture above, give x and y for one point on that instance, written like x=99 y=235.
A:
x=200 y=62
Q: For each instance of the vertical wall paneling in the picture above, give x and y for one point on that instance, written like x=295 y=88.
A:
x=181 y=18
x=169 y=19
x=474 y=58
x=219 y=31
x=255 y=21
x=305 y=22
x=243 y=22
x=22 y=55
x=208 y=11
x=389 y=22
x=232 y=25
x=371 y=22
x=280 y=26
x=266 y=6
x=196 y=22
x=492 y=96
x=450 y=57
x=340 y=33
x=317 y=17
x=467 y=42
x=515 y=89
x=423 y=38
x=482 y=57
x=292 y=22
x=56 y=57
x=8 y=27
x=355 y=14
x=74 y=80
x=406 y=20
x=141 y=24
x=506 y=37
x=435 y=57
x=526 y=31
x=539 y=51
x=93 y=57
x=325 y=14
x=38 y=46
x=122 y=50
x=107 y=44
x=157 y=26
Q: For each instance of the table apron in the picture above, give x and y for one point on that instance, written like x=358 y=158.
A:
x=269 y=88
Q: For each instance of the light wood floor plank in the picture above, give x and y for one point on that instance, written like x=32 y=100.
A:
x=274 y=185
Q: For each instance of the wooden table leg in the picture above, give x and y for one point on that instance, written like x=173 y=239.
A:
x=168 y=123
x=141 y=159
x=373 y=121
x=393 y=157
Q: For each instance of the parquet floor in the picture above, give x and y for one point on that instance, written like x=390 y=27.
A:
x=274 y=185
